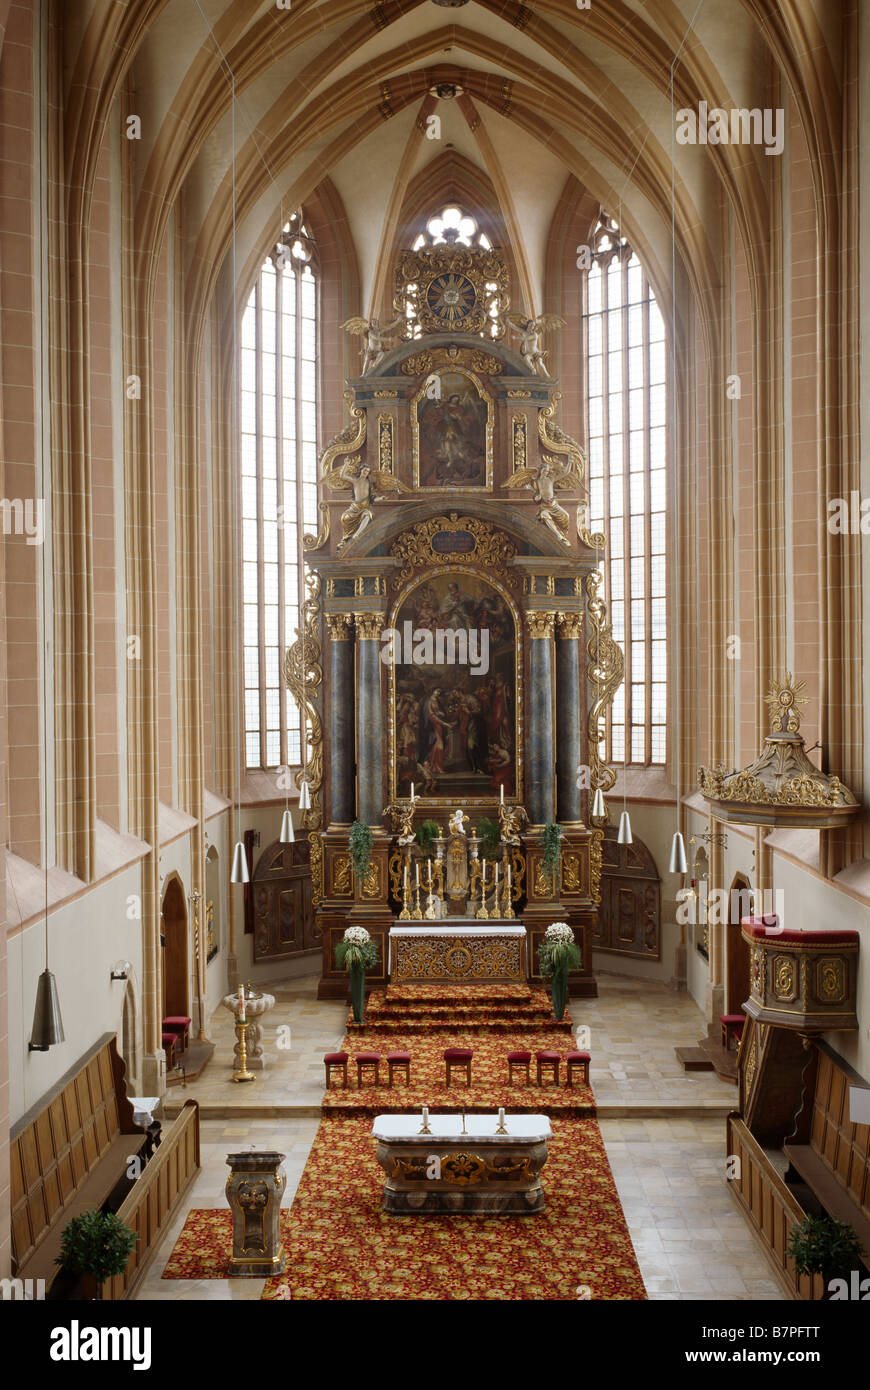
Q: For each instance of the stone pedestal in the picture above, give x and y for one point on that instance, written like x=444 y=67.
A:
x=254 y=1190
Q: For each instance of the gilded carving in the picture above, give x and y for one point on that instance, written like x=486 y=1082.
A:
x=304 y=685
x=369 y=626
x=783 y=979
x=462 y=288
x=544 y=886
x=553 y=437
x=571 y=873
x=831 y=981
x=340 y=626
x=372 y=882
x=518 y=394
x=342 y=887
x=385 y=443
x=421 y=957
x=749 y=1069
x=596 y=843
x=492 y=548
x=569 y=625
x=605 y=673
x=518 y=427
x=386 y=395
x=541 y=624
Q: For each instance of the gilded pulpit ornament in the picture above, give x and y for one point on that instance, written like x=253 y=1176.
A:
x=782 y=787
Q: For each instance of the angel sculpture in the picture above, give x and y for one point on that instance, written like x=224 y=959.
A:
x=510 y=821
x=375 y=338
x=403 y=820
x=529 y=332
x=368 y=484
x=544 y=480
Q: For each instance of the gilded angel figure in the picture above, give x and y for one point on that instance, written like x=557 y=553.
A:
x=544 y=481
x=375 y=338
x=368 y=485
x=529 y=332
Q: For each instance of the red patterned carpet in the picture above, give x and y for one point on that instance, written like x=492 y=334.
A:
x=341 y=1246
x=339 y=1243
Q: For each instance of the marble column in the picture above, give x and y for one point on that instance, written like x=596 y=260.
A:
x=341 y=715
x=369 y=719
x=541 y=742
x=569 y=718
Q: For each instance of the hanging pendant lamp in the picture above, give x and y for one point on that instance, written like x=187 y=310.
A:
x=288 y=835
x=599 y=808
x=677 y=863
x=304 y=797
x=625 y=836
x=239 y=872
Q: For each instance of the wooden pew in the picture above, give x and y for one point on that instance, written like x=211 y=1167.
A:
x=71 y=1154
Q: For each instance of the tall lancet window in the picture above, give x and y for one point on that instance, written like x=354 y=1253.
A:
x=279 y=408
x=626 y=359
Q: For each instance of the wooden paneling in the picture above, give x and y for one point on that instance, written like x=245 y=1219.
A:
x=842 y=1146
x=630 y=911
x=280 y=894
x=769 y=1206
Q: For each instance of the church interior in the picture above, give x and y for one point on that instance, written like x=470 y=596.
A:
x=435 y=626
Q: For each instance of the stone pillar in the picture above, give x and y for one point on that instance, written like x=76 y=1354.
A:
x=369 y=720
x=341 y=716
x=541 y=744
x=569 y=717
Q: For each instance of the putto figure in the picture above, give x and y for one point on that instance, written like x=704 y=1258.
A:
x=529 y=333
x=368 y=484
x=544 y=481
x=375 y=347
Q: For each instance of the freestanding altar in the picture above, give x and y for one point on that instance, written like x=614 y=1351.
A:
x=455 y=636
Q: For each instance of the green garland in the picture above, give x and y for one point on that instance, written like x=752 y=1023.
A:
x=425 y=834
x=490 y=836
x=558 y=957
x=360 y=845
x=348 y=954
x=552 y=841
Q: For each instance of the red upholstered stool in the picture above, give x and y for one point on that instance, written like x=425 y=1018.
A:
x=398 y=1061
x=337 y=1061
x=180 y=1024
x=578 y=1061
x=170 y=1047
x=551 y=1060
x=522 y=1061
x=732 y=1027
x=459 y=1059
x=368 y=1059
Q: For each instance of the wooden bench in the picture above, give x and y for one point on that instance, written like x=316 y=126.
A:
x=70 y=1154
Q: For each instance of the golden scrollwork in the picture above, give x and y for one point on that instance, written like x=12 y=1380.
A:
x=554 y=438
x=414 y=547
x=831 y=980
x=394 y=869
x=518 y=430
x=385 y=443
x=462 y=1169
x=783 y=979
x=463 y=289
x=596 y=845
x=571 y=873
x=604 y=673
x=518 y=394
x=518 y=872
x=372 y=882
x=749 y=1069
x=421 y=957
x=544 y=886
x=385 y=395
x=342 y=887
x=541 y=624
x=569 y=625
x=783 y=700
x=304 y=685
x=339 y=626
x=453 y=356
x=347 y=442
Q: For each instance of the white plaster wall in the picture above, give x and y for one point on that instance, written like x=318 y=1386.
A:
x=86 y=938
x=654 y=824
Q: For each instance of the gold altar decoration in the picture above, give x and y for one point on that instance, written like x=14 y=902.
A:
x=554 y=438
x=385 y=443
x=423 y=957
x=478 y=361
x=305 y=686
x=781 y=787
x=596 y=846
x=518 y=430
x=347 y=442
x=452 y=288
x=420 y=399
x=604 y=674
x=492 y=549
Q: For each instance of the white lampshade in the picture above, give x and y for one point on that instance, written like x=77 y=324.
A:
x=624 y=837
x=304 y=797
x=239 y=872
x=678 y=855
x=288 y=834
x=598 y=807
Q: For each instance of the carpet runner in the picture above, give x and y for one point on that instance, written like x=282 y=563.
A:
x=340 y=1245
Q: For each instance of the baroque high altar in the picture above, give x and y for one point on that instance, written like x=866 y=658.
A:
x=455 y=665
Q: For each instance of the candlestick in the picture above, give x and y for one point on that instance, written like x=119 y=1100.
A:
x=501 y=794
x=242 y=1074
x=412 y=793
x=418 y=873
x=501 y=1127
x=424 y=1128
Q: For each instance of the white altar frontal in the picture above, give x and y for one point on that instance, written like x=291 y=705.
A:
x=465 y=1163
x=457 y=951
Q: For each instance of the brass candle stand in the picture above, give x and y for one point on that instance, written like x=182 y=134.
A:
x=406 y=914
x=242 y=1074
x=416 y=911
x=432 y=912
x=507 y=908
x=482 y=912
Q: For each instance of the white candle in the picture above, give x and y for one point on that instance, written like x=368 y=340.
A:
x=412 y=791
x=501 y=794
x=425 y=1115
x=406 y=875
x=418 y=873
x=429 y=862
x=242 y=1004
x=508 y=871
x=501 y=1117
x=496 y=873
x=483 y=880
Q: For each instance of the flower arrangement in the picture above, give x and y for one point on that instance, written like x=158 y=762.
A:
x=558 y=954
x=356 y=950
x=559 y=931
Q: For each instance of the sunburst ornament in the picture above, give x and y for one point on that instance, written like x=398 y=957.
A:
x=783 y=701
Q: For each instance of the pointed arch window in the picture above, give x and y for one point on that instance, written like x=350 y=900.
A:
x=626 y=394
x=279 y=424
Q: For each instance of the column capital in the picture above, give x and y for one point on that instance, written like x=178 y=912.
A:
x=541 y=624
x=340 y=626
x=369 y=626
x=569 y=625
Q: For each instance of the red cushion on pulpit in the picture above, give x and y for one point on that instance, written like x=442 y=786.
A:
x=547 y=1056
x=767 y=927
x=519 y=1056
x=336 y=1058
x=732 y=1018
x=578 y=1057
x=368 y=1056
x=458 y=1054
x=398 y=1056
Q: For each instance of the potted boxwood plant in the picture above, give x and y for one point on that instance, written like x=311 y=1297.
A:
x=823 y=1245
x=97 y=1245
x=354 y=953
x=559 y=954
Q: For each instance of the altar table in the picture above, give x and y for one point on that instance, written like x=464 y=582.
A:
x=450 y=1172
x=476 y=953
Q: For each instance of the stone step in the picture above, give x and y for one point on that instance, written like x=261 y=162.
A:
x=693 y=1059
x=723 y=1062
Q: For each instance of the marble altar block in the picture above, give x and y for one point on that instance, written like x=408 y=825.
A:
x=477 y=953
x=447 y=1171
